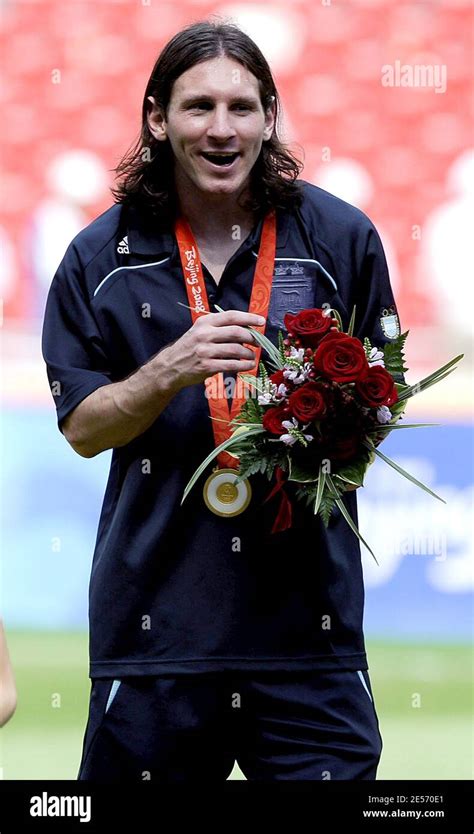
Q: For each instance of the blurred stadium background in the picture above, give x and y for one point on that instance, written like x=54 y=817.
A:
x=74 y=74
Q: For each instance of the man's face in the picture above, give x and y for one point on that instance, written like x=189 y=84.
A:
x=214 y=107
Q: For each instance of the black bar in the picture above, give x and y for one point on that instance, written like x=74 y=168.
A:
x=146 y=806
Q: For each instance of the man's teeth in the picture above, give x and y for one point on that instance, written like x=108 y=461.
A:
x=224 y=157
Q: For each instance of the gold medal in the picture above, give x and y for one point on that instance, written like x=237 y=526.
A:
x=225 y=497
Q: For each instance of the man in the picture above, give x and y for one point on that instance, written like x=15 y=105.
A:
x=212 y=640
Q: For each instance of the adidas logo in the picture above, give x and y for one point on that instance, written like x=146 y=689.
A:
x=122 y=248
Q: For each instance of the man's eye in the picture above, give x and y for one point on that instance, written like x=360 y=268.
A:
x=206 y=104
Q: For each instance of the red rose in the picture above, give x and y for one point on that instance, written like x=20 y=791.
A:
x=309 y=326
x=273 y=417
x=308 y=402
x=277 y=378
x=377 y=387
x=341 y=358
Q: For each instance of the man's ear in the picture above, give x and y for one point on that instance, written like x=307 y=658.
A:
x=269 y=120
x=156 y=120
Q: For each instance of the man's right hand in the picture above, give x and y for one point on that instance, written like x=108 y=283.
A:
x=214 y=343
x=115 y=414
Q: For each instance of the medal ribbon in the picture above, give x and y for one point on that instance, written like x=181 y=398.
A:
x=199 y=303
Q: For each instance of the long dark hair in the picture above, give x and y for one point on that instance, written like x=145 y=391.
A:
x=146 y=171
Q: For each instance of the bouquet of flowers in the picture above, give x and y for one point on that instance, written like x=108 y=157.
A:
x=318 y=410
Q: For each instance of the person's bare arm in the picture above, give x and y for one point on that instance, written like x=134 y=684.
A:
x=8 y=695
x=116 y=414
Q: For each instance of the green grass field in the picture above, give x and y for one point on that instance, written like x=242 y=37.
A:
x=43 y=740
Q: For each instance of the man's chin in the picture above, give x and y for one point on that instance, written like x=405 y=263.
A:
x=213 y=186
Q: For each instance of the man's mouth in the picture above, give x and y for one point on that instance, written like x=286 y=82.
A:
x=220 y=160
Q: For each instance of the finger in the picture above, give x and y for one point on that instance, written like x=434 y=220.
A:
x=236 y=317
x=231 y=333
x=233 y=366
x=230 y=351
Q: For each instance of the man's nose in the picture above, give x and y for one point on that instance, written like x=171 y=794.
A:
x=220 y=126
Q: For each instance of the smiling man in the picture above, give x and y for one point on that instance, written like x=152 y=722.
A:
x=212 y=640
x=215 y=126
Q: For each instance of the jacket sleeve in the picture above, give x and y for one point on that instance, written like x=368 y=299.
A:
x=72 y=346
x=376 y=310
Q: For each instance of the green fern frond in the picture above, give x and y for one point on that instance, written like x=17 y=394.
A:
x=393 y=355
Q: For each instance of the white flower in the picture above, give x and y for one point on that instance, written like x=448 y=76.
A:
x=295 y=375
x=273 y=394
x=289 y=439
x=297 y=353
x=280 y=393
x=291 y=426
x=384 y=415
x=376 y=358
x=307 y=437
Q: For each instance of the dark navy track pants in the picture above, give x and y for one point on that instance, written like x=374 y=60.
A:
x=191 y=727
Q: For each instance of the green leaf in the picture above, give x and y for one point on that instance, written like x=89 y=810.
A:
x=320 y=489
x=350 y=329
x=342 y=507
x=431 y=379
x=393 y=355
x=301 y=473
x=253 y=381
x=256 y=456
x=326 y=506
x=251 y=412
x=388 y=427
x=353 y=473
x=232 y=441
x=263 y=374
x=281 y=346
x=367 y=347
x=269 y=347
x=399 y=407
x=401 y=471
x=245 y=471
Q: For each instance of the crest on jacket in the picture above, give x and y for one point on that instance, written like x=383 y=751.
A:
x=390 y=322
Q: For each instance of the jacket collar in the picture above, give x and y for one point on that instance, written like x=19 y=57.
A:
x=149 y=237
